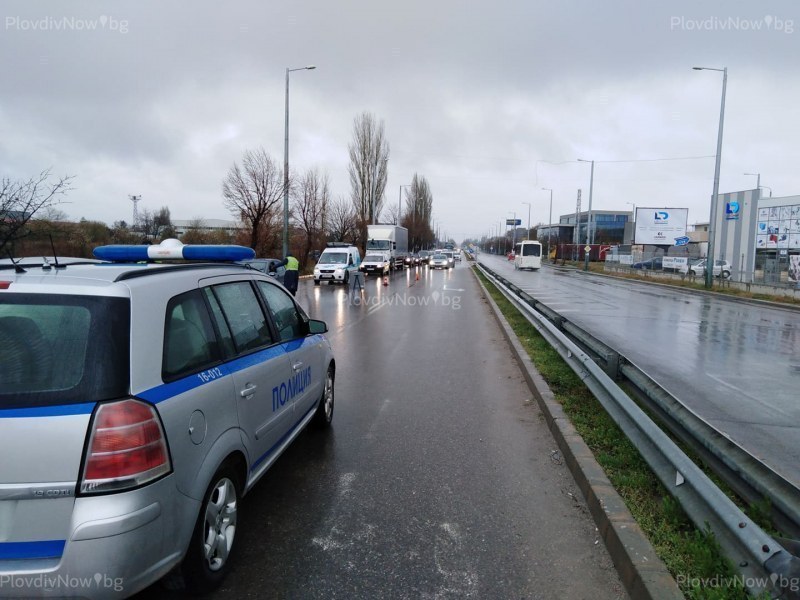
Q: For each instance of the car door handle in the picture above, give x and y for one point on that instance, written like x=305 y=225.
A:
x=297 y=366
x=248 y=391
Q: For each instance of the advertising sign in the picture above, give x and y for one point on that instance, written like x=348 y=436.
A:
x=660 y=226
x=513 y=222
x=732 y=211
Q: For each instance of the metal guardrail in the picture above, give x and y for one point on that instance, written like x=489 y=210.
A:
x=762 y=561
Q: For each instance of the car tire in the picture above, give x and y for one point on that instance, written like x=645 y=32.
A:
x=726 y=274
x=208 y=558
x=347 y=277
x=316 y=282
x=324 y=413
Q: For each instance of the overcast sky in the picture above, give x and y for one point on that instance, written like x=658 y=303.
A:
x=490 y=101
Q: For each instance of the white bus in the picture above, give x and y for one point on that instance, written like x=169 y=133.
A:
x=528 y=255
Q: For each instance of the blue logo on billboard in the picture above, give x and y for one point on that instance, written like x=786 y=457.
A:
x=682 y=241
x=732 y=211
x=662 y=216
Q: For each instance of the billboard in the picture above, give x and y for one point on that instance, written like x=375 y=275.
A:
x=660 y=226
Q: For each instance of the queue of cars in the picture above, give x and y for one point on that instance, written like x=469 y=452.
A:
x=141 y=401
x=696 y=266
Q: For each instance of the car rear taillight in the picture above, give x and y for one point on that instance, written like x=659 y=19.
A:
x=127 y=448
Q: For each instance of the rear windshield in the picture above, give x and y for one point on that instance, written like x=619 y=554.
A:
x=531 y=249
x=57 y=349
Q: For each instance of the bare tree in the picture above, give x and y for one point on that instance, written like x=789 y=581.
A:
x=253 y=193
x=21 y=200
x=369 y=153
x=311 y=204
x=196 y=232
x=155 y=225
x=392 y=213
x=342 y=223
x=419 y=208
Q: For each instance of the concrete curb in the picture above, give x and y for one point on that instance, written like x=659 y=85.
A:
x=642 y=573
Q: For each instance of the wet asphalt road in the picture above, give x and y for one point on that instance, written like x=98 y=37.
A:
x=437 y=479
x=736 y=364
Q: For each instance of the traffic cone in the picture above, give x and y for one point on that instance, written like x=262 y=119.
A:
x=385 y=280
x=417 y=275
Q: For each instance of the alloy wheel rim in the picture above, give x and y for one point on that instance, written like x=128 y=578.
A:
x=220 y=524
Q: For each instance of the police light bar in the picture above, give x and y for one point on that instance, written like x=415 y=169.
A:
x=172 y=249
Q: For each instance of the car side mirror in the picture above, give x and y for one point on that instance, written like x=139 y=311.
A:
x=316 y=327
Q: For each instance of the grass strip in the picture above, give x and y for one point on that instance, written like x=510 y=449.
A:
x=692 y=556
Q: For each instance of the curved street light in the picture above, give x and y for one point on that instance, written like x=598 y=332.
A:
x=550 y=221
x=712 y=220
x=286 y=163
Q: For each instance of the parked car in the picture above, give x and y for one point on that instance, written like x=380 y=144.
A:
x=271 y=266
x=652 y=264
x=141 y=401
x=721 y=267
x=439 y=261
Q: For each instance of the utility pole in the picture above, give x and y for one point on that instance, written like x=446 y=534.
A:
x=135 y=200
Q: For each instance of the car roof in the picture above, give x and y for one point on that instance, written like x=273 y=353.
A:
x=102 y=278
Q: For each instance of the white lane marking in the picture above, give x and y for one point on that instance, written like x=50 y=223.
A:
x=739 y=391
x=370 y=435
x=447 y=289
x=458 y=581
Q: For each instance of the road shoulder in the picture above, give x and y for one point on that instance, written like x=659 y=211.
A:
x=643 y=574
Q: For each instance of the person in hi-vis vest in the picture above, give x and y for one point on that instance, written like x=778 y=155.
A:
x=292 y=275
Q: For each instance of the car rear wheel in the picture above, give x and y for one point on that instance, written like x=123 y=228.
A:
x=324 y=414
x=207 y=560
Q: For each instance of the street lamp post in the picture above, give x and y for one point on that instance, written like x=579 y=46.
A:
x=712 y=221
x=528 y=234
x=589 y=219
x=549 y=222
x=513 y=231
x=286 y=164
x=758 y=179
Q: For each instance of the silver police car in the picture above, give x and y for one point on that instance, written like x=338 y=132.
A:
x=139 y=403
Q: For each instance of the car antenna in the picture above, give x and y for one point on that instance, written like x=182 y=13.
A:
x=55 y=258
x=17 y=268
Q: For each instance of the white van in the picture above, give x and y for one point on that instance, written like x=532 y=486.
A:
x=337 y=263
x=528 y=255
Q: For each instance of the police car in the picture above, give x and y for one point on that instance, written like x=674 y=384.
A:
x=139 y=402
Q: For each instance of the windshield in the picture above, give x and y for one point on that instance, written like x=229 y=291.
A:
x=333 y=258
x=57 y=349
x=439 y=257
x=379 y=245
